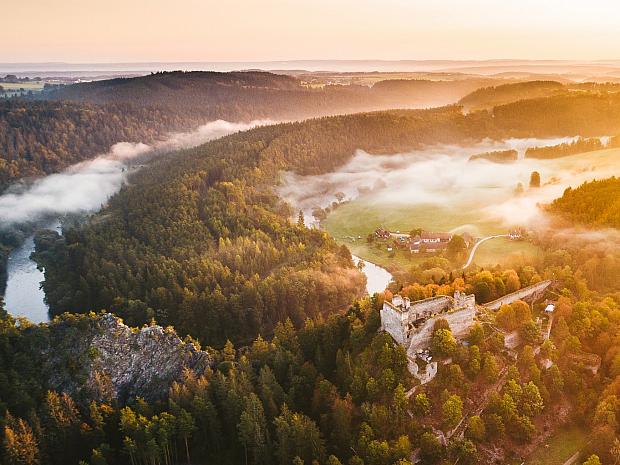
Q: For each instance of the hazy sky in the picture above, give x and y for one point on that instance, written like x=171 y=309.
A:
x=252 y=30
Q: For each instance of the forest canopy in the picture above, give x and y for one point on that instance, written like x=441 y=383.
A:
x=595 y=203
x=200 y=240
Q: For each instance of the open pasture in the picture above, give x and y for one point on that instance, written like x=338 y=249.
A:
x=454 y=195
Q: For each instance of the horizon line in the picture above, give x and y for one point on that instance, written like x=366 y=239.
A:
x=302 y=60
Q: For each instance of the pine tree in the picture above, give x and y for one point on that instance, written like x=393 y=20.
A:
x=20 y=444
x=253 y=431
x=187 y=426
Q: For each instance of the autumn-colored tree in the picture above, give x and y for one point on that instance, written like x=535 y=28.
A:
x=20 y=445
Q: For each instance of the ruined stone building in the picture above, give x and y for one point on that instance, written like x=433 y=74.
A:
x=411 y=324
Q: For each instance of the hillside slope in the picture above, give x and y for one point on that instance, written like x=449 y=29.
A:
x=595 y=203
x=243 y=96
x=488 y=97
x=80 y=121
x=38 y=138
x=201 y=240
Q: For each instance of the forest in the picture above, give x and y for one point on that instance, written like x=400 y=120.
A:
x=79 y=121
x=333 y=390
x=200 y=240
x=489 y=97
x=580 y=145
x=245 y=96
x=593 y=204
x=38 y=137
x=498 y=156
x=170 y=245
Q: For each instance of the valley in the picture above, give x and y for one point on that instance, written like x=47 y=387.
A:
x=300 y=292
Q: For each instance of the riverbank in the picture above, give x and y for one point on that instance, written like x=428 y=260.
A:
x=23 y=296
x=377 y=278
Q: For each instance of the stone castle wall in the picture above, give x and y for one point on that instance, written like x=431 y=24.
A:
x=424 y=376
x=395 y=323
x=459 y=320
x=430 y=306
x=532 y=292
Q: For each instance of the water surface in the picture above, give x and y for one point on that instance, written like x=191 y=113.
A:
x=377 y=278
x=24 y=296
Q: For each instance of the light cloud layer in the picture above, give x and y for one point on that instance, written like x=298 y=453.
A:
x=444 y=176
x=86 y=186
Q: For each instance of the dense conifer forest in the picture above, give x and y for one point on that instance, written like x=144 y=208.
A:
x=300 y=373
x=334 y=390
x=39 y=137
x=201 y=241
x=580 y=145
x=594 y=204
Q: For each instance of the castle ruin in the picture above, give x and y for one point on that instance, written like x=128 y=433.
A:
x=411 y=324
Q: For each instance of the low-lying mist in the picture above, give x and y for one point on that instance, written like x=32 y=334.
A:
x=444 y=176
x=86 y=186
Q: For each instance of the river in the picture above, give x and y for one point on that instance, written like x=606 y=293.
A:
x=81 y=188
x=377 y=278
x=24 y=296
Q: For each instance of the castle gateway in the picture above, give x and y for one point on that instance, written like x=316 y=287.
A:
x=411 y=324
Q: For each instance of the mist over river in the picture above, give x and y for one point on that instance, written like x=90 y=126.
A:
x=81 y=188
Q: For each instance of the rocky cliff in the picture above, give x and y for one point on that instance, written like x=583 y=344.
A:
x=99 y=357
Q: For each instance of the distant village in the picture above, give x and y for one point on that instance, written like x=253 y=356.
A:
x=420 y=241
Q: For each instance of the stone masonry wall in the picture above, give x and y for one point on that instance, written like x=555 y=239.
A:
x=394 y=322
x=460 y=321
x=522 y=294
x=432 y=305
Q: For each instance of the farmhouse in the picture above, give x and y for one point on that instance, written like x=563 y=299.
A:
x=429 y=242
x=411 y=324
x=423 y=242
x=433 y=237
x=381 y=233
x=515 y=234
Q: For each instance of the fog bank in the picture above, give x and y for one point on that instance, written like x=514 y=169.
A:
x=444 y=176
x=86 y=186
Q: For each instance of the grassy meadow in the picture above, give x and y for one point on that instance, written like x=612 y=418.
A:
x=351 y=222
x=561 y=446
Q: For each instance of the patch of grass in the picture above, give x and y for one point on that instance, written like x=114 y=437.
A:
x=22 y=85
x=559 y=447
x=362 y=216
x=351 y=223
x=503 y=250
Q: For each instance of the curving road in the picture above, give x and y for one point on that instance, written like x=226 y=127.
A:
x=473 y=251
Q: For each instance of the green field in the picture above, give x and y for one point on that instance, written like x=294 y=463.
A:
x=559 y=447
x=351 y=222
x=505 y=251
x=21 y=88
x=23 y=85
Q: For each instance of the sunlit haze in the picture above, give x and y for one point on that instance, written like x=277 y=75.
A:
x=252 y=30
